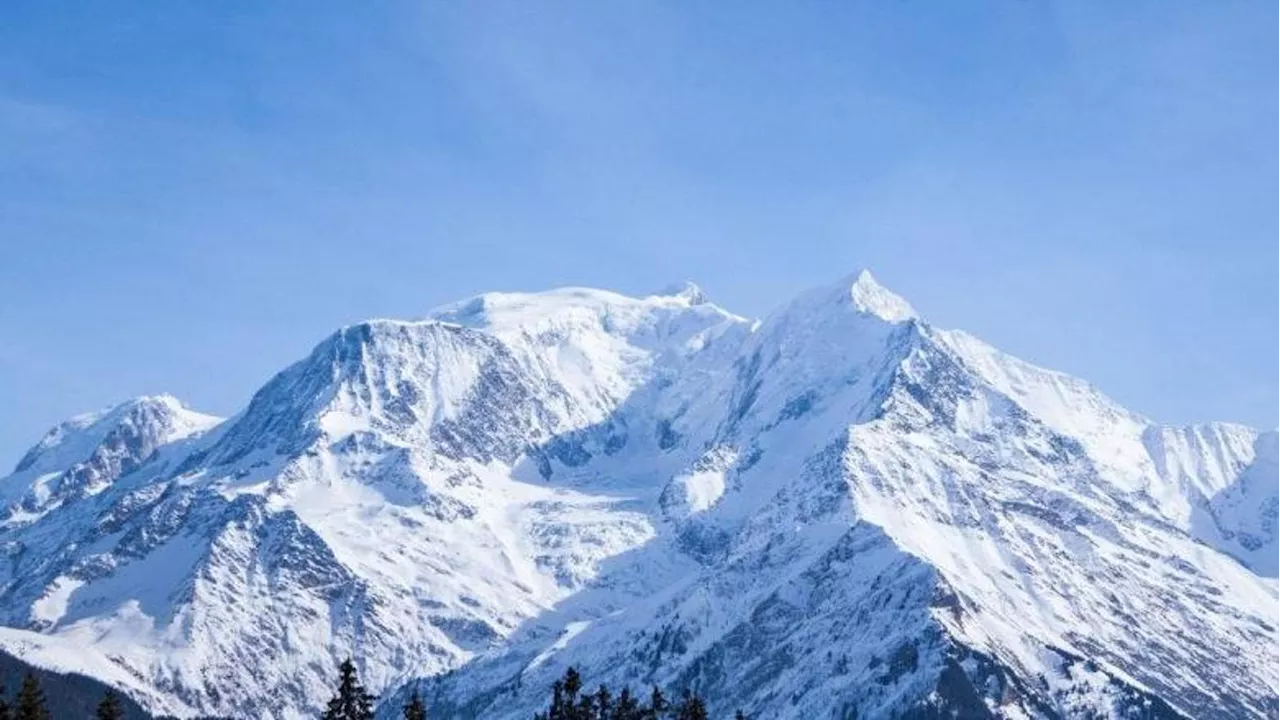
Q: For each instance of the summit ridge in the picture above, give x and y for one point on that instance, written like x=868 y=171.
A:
x=839 y=509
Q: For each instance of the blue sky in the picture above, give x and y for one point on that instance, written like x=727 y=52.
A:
x=193 y=194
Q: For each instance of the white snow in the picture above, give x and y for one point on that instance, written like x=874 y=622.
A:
x=65 y=655
x=652 y=489
x=51 y=608
x=571 y=630
x=700 y=488
x=872 y=298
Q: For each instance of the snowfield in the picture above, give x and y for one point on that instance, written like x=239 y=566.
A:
x=838 y=511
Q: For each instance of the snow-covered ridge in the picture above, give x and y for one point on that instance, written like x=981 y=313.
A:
x=75 y=439
x=871 y=297
x=837 y=509
x=83 y=455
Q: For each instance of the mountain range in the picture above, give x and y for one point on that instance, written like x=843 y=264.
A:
x=837 y=511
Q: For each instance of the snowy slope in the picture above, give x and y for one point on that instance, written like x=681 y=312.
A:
x=68 y=655
x=839 y=509
x=85 y=454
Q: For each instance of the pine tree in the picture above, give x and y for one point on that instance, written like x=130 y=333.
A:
x=5 y=713
x=691 y=708
x=557 y=711
x=626 y=708
x=739 y=715
x=572 y=684
x=109 y=708
x=415 y=710
x=658 y=705
x=568 y=702
x=30 y=701
x=603 y=701
x=352 y=701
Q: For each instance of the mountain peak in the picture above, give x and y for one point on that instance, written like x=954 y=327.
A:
x=686 y=290
x=872 y=298
x=529 y=481
x=74 y=439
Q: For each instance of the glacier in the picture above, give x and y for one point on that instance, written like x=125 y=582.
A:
x=837 y=511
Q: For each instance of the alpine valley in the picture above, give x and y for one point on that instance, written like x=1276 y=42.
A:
x=839 y=511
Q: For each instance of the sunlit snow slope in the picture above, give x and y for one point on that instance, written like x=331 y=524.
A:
x=838 y=511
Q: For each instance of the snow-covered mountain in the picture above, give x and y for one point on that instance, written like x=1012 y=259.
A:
x=837 y=511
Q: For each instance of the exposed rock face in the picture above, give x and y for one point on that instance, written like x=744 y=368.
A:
x=840 y=511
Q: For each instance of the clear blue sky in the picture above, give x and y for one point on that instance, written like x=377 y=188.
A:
x=193 y=194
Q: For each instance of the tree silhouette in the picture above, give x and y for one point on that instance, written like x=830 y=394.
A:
x=569 y=702
x=626 y=707
x=109 y=708
x=691 y=707
x=415 y=710
x=351 y=701
x=30 y=701
x=658 y=705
